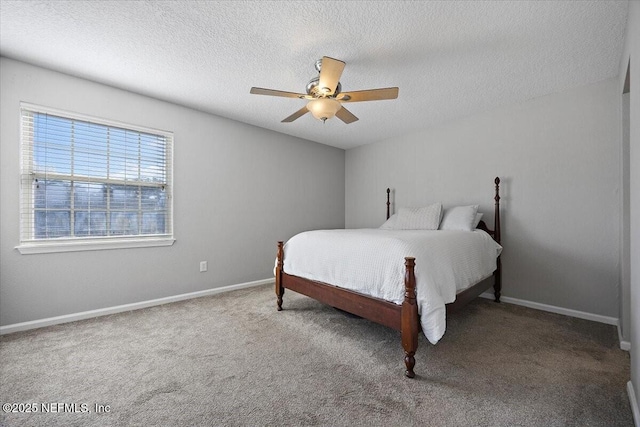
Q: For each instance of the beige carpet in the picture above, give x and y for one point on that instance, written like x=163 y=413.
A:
x=231 y=359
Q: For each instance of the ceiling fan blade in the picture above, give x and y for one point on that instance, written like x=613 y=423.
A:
x=368 y=95
x=271 y=92
x=346 y=115
x=301 y=112
x=330 y=73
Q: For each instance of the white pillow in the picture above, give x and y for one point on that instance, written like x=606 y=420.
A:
x=459 y=218
x=390 y=223
x=477 y=220
x=426 y=218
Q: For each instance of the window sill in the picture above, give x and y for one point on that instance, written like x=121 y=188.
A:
x=91 y=245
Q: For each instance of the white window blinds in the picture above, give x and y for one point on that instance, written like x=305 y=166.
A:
x=85 y=179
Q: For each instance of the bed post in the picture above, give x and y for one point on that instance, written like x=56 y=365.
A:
x=388 y=203
x=279 y=287
x=497 y=287
x=409 y=318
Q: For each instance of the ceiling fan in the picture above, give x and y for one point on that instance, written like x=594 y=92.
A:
x=325 y=95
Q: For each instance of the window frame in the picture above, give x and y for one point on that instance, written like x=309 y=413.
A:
x=29 y=244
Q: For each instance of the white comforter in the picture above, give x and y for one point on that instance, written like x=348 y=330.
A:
x=371 y=261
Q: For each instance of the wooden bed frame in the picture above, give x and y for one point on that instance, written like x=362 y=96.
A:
x=403 y=318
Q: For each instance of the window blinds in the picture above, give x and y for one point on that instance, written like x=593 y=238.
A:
x=87 y=178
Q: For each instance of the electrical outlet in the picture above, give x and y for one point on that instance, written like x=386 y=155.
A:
x=203 y=266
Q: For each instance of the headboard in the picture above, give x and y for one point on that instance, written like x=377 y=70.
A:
x=495 y=233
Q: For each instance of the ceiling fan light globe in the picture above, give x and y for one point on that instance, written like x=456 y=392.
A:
x=323 y=108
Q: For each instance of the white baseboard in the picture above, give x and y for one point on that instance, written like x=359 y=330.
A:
x=558 y=310
x=634 y=404
x=16 y=327
x=624 y=345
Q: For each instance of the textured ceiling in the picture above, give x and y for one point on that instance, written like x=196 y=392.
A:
x=450 y=59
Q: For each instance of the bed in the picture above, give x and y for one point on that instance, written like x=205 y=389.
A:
x=400 y=305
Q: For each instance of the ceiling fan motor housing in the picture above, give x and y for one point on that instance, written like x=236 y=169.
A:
x=314 y=90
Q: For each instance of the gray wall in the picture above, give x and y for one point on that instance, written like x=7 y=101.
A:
x=238 y=189
x=625 y=222
x=559 y=159
x=632 y=51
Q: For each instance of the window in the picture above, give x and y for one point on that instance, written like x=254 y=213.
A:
x=92 y=184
